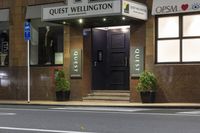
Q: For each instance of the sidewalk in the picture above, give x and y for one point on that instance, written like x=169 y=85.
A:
x=103 y=104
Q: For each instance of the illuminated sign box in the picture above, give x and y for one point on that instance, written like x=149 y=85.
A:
x=85 y=9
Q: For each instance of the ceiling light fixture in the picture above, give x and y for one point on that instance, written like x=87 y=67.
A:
x=123 y=18
x=80 y=21
x=64 y=22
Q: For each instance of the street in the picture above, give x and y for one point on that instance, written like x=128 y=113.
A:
x=63 y=119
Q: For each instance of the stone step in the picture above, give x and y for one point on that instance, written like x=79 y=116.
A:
x=108 y=95
x=106 y=101
x=106 y=98
x=111 y=91
x=115 y=94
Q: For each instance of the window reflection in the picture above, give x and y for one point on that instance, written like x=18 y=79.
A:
x=4 y=42
x=47 y=42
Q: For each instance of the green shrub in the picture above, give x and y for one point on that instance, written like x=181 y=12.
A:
x=147 y=82
x=60 y=81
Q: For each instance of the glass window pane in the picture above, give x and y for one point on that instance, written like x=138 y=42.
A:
x=4 y=43
x=191 y=25
x=168 y=51
x=191 y=50
x=46 y=43
x=168 y=27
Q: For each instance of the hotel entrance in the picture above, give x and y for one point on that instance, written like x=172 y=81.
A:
x=96 y=40
x=110 y=58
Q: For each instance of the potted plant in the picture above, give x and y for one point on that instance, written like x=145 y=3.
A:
x=62 y=86
x=147 y=86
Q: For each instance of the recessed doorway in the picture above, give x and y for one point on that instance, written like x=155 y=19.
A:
x=110 y=58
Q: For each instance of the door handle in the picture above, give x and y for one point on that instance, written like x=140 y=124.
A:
x=126 y=61
x=95 y=63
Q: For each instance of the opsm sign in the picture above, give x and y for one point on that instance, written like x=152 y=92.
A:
x=175 y=6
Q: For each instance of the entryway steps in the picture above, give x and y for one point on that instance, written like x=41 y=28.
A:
x=123 y=96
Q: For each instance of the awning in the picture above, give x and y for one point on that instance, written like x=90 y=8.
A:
x=175 y=6
x=4 y=15
x=96 y=9
x=34 y=12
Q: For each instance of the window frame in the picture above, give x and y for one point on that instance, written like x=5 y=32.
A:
x=181 y=38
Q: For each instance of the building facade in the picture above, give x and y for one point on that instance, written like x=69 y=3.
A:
x=100 y=50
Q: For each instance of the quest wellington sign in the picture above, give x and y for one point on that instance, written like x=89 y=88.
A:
x=175 y=6
x=84 y=9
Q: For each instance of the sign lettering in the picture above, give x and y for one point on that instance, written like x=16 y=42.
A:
x=166 y=9
x=90 y=8
x=137 y=61
x=76 y=63
x=82 y=10
x=172 y=6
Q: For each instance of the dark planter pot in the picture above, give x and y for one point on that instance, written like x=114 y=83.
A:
x=66 y=95
x=148 y=97
x=62 y=95
x=59 y=95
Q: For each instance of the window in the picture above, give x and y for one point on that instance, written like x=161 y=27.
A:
x=178 y=39
x=4 y=43
x=191 y=25
x=46 y=43
x=168 y=27
x=191 y=50
x=168 y=51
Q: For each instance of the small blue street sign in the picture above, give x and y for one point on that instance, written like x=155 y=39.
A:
x=27 y=31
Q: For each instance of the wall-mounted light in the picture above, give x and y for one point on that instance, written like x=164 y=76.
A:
x=80 y=21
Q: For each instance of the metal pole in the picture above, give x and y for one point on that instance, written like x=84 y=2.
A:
x=28 y=71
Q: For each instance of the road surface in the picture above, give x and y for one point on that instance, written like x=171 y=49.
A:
x=61 y=119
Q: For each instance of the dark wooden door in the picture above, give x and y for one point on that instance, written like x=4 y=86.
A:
x=99 y=39
x=118 y=59
x=110 y=57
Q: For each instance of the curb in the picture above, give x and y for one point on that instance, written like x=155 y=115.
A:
x=111 y=105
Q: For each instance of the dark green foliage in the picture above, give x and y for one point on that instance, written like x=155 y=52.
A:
x=61 y=83
x=147 y=82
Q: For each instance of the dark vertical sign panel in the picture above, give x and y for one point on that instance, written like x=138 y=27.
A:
x=76 y=63
x=137 y=61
